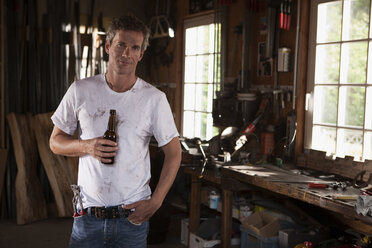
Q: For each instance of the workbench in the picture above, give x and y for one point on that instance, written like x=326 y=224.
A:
x=272 y=179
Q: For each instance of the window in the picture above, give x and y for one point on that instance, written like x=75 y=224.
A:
x=339 y=118
x=201 y=77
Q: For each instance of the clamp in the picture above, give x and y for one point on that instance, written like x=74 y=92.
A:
x=358 y=180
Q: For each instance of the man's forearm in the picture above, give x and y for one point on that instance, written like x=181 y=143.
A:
x=67 y=145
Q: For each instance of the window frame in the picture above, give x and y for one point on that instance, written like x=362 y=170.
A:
x=189 y=23
x=311 y=67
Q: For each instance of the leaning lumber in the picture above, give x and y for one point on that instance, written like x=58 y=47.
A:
x=30 y=201
x=56 y=167
x=3 y=156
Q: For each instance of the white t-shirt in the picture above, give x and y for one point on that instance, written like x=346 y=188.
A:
x=141 y=112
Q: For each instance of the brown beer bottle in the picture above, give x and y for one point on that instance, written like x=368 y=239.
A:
x=110 y=134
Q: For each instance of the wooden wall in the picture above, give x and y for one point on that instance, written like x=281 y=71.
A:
x=287 y=38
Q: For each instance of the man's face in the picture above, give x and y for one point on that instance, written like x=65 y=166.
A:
x=125 y=51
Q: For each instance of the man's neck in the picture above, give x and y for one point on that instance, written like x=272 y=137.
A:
x=120 y=83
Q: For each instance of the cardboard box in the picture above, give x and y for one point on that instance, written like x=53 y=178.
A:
x=253 y=240
x=288 y=238
x=262 y=224
x=198 y=242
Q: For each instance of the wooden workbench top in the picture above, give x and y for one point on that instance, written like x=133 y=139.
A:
x=295 y=185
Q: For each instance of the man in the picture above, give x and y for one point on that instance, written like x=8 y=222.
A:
x=117 y=200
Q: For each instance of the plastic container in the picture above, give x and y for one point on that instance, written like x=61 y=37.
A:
x=253 y=240
x=214 y=198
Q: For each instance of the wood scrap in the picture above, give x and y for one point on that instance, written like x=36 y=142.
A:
x=30 y=201
x=55 y=166
x=344 y=167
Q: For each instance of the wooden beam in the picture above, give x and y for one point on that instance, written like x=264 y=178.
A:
x=30 y=201
x=302 y=76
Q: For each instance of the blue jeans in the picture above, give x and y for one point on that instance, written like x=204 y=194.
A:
x=91 y=232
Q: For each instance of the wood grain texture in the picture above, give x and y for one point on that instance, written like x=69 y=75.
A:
x=30 y=201
x=3 y=157
x=60 y=173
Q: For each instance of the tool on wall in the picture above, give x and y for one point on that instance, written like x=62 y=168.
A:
x=159 y=27
x=260 y=113
x=285 y=14
x=159 y=24
x=273 y=6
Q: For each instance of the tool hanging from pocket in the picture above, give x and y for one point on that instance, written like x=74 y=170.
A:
x=77 y=200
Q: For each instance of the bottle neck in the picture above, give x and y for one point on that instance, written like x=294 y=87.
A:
x=111 y=124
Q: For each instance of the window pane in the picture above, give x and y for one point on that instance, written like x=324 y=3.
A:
x=368 y=145
x=191 y=41
x=349 y=143
x=209 y=126
x=189 y=97
x=351 y=106
x=203 y=39
x=188 y=124
x=202 y=65
x=369 y=80
x=211 y=38
x=325 y=104
x=210 y=69
x=368 y=123
x=201 y=97
x=210 y=98
x=190 y=69
x=217 y=73
x=355 y=19
x=327 y=65
x=201 y=125
x=324 y=139
x=329 y=21
x=353 y=63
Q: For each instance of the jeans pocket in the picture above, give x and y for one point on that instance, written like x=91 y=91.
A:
x=136 y=224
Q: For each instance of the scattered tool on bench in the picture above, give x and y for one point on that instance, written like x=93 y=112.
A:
x=358 y=180
x=334 y=185
x=205 y=159
x=344 y=197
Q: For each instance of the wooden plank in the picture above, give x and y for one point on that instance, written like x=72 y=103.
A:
x=2 y=75
x=71 y=164
x=30 y=201
x=345 y=167
x=368 y=168
x=3 y=157
x=55 y=166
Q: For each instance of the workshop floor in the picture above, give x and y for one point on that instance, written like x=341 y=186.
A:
x=55 y=232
